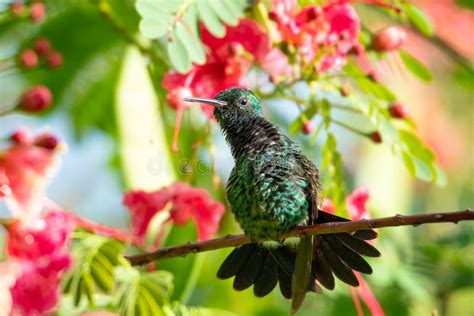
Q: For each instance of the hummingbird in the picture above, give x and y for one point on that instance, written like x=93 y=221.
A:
x=273 y=188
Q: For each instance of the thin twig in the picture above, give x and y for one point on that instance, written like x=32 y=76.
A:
x=106 y=11
x=319 y=229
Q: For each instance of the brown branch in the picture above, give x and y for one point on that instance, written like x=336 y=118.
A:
x=319 y=229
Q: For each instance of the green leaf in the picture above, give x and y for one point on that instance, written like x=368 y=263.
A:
x=191 y=43
x=210 y=19
x=409 y=163
x=178 y=54
x=424 y=160
x=377 y=89
x=96 y=257
x=464 y=77
x=140 y=292
x=177 y=309
x=179 y=20
x=466 y=3
x=415 y=66
x=311 y=110
x=226 y=12
x=156 y=27
x=332 y=174
x=418 y=18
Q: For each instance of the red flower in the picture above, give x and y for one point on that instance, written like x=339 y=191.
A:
x=29 y=59
x=42 y=46
x=55 y=59
x=185 y=203
x=40 y=248
x=391 y=38
x=356 y=206
x=308 y=127
x=375 y=137
x=25 y=168
x=330 y=31
x=36 y=99
x=17 y=8
x=38 y=11
x=21 y=136
x=355 y=203
x=35 y=291
x=41 y=237
x=227 y=62
x=398 y=110
x=47 y=141
x=328 y=206
x=364 y=292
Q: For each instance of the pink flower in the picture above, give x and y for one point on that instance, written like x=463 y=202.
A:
x=328 y=206
x=364 y=292
x=36 y=290
x=41 y=237
x=185 y=203
x=329 y=32
x=391 y=38
x=356 y=206
x=29 y=58
x=308 y=127
x=356 y=203
x=39 y=246
x=55 y=59
x=36 y=99
x=227 y=62
x=38 y=12
x=375 y=137
x=25 y=168
x=398 y=110
x=42 y=46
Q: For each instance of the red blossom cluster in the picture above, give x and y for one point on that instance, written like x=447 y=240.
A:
x=227 y=62
x=39 y=249
x=356 y=206
x=37 y=244
x=182 y=202
x=322 y=35
x=30 y=58
x=25 y=168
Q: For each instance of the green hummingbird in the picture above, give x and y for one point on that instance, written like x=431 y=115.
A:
x=272 y=188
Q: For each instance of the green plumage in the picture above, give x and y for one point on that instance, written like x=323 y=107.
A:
x=273 y=188
x=266 y=194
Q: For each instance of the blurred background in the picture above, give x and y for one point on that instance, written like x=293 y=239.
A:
x=118 y=131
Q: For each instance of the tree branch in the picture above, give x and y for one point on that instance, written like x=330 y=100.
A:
x=319 y=229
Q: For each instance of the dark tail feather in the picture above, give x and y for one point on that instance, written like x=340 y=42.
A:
x=334 y=255
x=268 y=278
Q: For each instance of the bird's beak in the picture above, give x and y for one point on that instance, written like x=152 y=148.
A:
x=213 y=102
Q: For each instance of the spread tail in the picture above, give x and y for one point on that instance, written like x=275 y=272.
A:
x=337 y=255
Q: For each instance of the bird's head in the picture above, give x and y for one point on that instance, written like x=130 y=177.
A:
x=231 y=105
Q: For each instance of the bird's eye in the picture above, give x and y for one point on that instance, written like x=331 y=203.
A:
x=243 y=101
